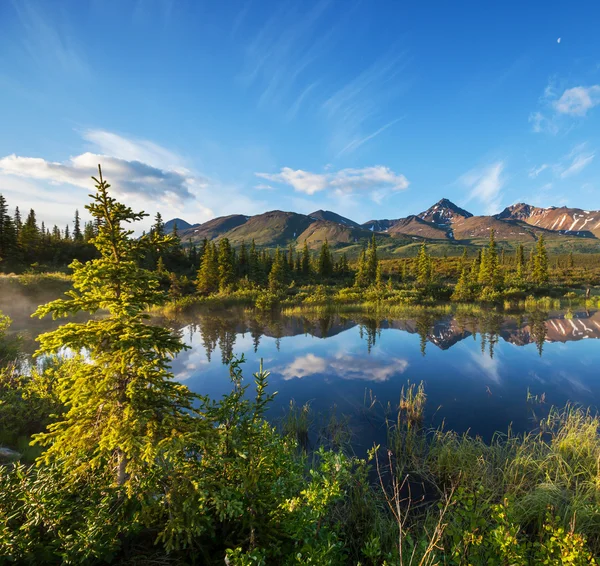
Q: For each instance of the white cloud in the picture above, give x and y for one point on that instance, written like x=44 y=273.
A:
x=558 y=111
x=485 y=184
x=126 y=177
x=344 y=181
x=344 y=366
x=578 y=100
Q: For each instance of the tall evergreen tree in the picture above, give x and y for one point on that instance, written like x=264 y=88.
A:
x=123 y=409
x=243 y=261
x=489 y=270
x=277 y=272
x=30 y=237
x=77 y=233
x=325 y=263
x=424 y=267
x=290 y=258
x=255 y=273
x=226 y=265
x=18 y=222
x=540 y=263
x=8 y=234
x=305 y=260
x=158 y=227
x=520 y=261
x=361 y=278
x=208 y=274
x=372 y=260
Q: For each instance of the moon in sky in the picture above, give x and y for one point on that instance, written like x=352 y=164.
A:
x=558 y=40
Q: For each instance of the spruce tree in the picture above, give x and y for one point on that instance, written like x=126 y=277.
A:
x=8 y=234
x=226 y=265
x=277 y=273
x=361 y=278
x=77 y=234
x=378 y=277
x=30 y=237
x=305 y=260
x=159 y=226
x=325 y=262
x=208 y=274
x=489 y=270
x=290 y=258
x=540 y=263
x=424 y=267
x=462 y=290
x=18 y=222
x=372 y=260
x=242 y=264
x=123 y=410
x=520 y=260
x=255 y=273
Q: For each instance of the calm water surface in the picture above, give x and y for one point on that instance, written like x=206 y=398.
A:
x=477 y=370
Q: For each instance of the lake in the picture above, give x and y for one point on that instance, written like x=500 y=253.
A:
x=482 y=373
x=478 y=370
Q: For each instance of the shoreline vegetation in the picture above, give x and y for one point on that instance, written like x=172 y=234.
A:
x=134 y=468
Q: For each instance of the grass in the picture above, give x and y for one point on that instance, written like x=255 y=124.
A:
x=438 y=497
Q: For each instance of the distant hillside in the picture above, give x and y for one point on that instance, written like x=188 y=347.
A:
x=415 y=226
x=334 y=233
x=213 y=228
x=181 y=225
x=443 y=224
x=333 y=217
x=271 y=228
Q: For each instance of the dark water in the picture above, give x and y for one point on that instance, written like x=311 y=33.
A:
x=477 y=371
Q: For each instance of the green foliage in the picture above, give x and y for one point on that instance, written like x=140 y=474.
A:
x=277 y=273
x=424 y=267
x=122 y=406
x=539 y=274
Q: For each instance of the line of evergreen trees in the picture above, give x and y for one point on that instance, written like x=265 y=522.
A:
x=222 y=267
x=25 y=243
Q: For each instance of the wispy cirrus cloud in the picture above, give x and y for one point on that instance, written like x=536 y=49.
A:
x=535 y=171
x=574 y=162
x=569 y=165
x=485 y=185
x=278 y=56
x=371 y=179
x=48 y=39
x=133 y=149
x=355 y=106
x=284 y=61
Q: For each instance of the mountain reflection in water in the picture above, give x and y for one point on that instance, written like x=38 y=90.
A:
x=478 y=370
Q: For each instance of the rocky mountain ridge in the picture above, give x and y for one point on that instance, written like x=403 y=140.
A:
x=444 y=222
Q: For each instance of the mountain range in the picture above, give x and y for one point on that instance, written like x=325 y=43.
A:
x=444 y=222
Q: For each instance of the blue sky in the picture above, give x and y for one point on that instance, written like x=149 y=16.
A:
x=374 y=109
